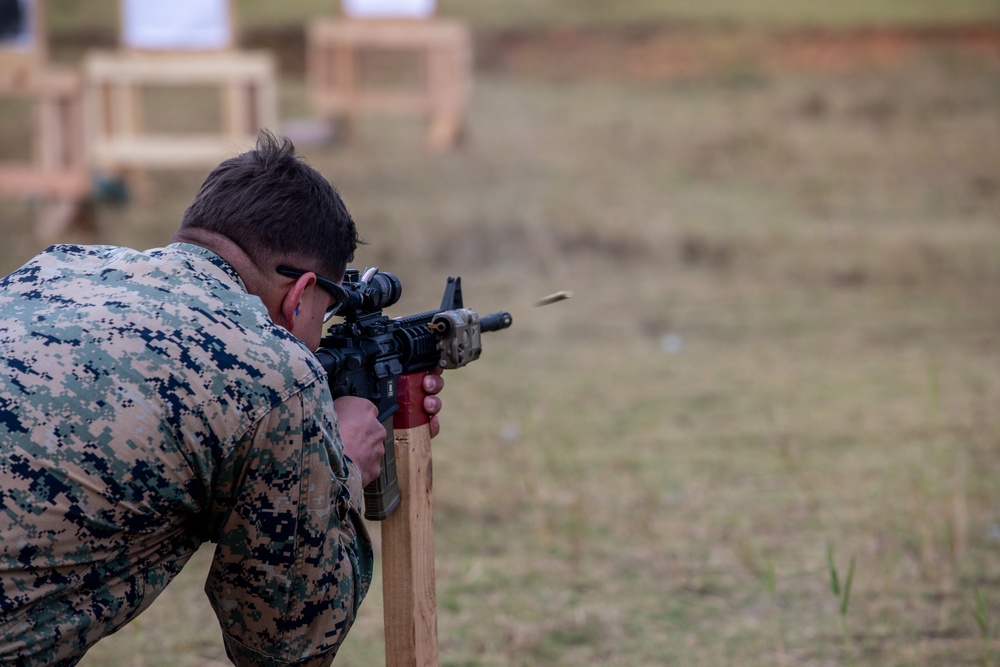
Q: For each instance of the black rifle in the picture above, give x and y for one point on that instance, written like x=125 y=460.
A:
x=366 y=353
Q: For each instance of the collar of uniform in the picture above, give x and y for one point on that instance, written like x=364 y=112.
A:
x=205 y=253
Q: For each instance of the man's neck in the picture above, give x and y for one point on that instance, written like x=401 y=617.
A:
x=257 y=278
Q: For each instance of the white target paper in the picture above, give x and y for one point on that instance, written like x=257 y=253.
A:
x=176 y=25
x=371 y=9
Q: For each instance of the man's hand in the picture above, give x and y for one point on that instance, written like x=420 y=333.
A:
x=433 y=384
x=362 y=434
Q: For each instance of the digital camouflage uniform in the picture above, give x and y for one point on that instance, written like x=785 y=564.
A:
x=147 y=404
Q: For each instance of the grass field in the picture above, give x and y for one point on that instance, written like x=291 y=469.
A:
x=506 y=14
x=764 y=431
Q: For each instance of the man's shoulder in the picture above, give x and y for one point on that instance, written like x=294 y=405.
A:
x=177 y=315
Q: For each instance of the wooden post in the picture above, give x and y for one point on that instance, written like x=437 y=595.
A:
x=409 y=593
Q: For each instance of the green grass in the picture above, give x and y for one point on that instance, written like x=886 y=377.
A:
x=764 y=13
x=825 y=250
x=515 y=14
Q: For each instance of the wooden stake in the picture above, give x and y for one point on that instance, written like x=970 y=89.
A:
x=410 y=598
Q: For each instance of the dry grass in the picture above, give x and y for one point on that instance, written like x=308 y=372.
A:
x=784 y=337
x=98 y=14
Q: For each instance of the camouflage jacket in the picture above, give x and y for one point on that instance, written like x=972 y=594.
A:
x=148 y=404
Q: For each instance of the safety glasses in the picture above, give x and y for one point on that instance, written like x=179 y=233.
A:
x=338 y=292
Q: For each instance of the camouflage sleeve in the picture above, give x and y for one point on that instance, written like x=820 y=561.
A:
x=294 y=559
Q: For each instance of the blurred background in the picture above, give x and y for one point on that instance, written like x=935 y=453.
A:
x=766 y=428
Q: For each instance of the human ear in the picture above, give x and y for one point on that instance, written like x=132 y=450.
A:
x=292 y=299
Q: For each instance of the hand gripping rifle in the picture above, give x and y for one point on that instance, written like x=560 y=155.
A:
x=384 y=360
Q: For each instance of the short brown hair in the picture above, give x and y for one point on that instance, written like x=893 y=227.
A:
x=272 y=205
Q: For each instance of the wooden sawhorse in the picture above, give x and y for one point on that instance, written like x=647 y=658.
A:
x=333 y=76
x=113 y=81
x=58 y=176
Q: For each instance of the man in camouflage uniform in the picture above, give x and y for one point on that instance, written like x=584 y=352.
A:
x=150 y=401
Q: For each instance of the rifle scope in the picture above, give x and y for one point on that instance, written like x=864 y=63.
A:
x=374 y=292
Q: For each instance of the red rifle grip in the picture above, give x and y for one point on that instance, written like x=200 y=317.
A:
x=410 y=397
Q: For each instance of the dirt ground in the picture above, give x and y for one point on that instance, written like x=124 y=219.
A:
x=650 y=54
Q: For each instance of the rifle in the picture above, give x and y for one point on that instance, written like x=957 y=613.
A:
x=366 y=354
x=384 y=360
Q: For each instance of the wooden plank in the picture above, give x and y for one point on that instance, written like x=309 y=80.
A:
x=265 y=100
x=28 y=180
x=408 y=580
x=405 y=34
x=17 y=71
x=168 y=151
x=135 y=68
